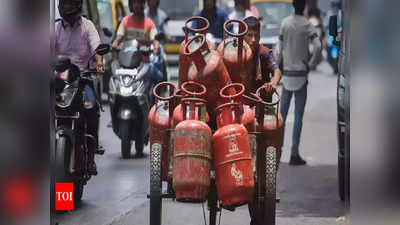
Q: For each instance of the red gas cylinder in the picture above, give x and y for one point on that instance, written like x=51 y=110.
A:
x=188 y=89
x=232 y=159
x=160 y=121
x=184 y=61
x=236 y=53
x=272 y=122
x=208 y=69
x=246 y=113
x=192 y=153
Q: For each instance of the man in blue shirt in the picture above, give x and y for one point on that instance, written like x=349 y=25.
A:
x=215 y=16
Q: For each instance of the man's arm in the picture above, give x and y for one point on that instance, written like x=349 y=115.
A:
x=273 y=66
x=94 y=41
x=316 y=47
x=276 y=77
x=99 y=64
x=120 y=34
x=116 y=41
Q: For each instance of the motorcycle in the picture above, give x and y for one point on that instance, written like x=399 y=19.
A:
x=129 y=96
x=72 y=152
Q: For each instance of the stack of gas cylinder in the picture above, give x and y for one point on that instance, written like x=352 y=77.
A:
x=208 y=120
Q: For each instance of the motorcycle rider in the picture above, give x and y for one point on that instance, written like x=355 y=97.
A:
x=138 y=26
x=77 y=38
x=141 y=28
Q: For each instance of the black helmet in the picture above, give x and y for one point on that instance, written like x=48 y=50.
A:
x=131 y=3
x=74 y=10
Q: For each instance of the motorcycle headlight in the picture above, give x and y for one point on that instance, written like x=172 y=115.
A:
x=64 y=75
x=126 y=90
x=66 y=96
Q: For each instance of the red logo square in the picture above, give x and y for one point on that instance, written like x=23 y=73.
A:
x=64 y=196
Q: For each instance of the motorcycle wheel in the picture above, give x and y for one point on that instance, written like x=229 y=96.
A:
x=78 y=192
x=270 y=192
x=125 y=140
x=60 y=174
x=139 y=144
x=61 y=146
x=155 y=184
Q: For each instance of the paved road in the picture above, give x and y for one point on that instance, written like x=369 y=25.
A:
x=308 y=194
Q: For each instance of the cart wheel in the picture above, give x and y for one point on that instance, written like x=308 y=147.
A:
x=270 y=194
x=155 y=184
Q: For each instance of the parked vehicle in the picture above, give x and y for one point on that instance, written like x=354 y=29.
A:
x=129 y=96
x=341 y=37
x=72 y=140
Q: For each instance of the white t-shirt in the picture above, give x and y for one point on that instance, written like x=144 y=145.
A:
x=296 y=34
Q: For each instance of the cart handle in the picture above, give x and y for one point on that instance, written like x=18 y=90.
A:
x=171 y=91
x=199 y=20
x=196 y=54
x=199 y=89
x=263 y=88
x=228 y=88
x=270 y=104
x=243 y=29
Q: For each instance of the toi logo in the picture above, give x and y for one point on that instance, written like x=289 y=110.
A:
x=64 y=196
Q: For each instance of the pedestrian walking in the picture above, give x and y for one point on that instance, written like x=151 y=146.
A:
x=296 y=34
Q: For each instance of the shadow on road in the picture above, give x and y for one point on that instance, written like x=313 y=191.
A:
x=309 y=191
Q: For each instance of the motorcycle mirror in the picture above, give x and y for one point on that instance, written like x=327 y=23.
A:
x=102 y=49
x=107 y=32
x=61 y=63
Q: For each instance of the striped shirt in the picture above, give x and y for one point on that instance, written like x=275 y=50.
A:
x=144 y=31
